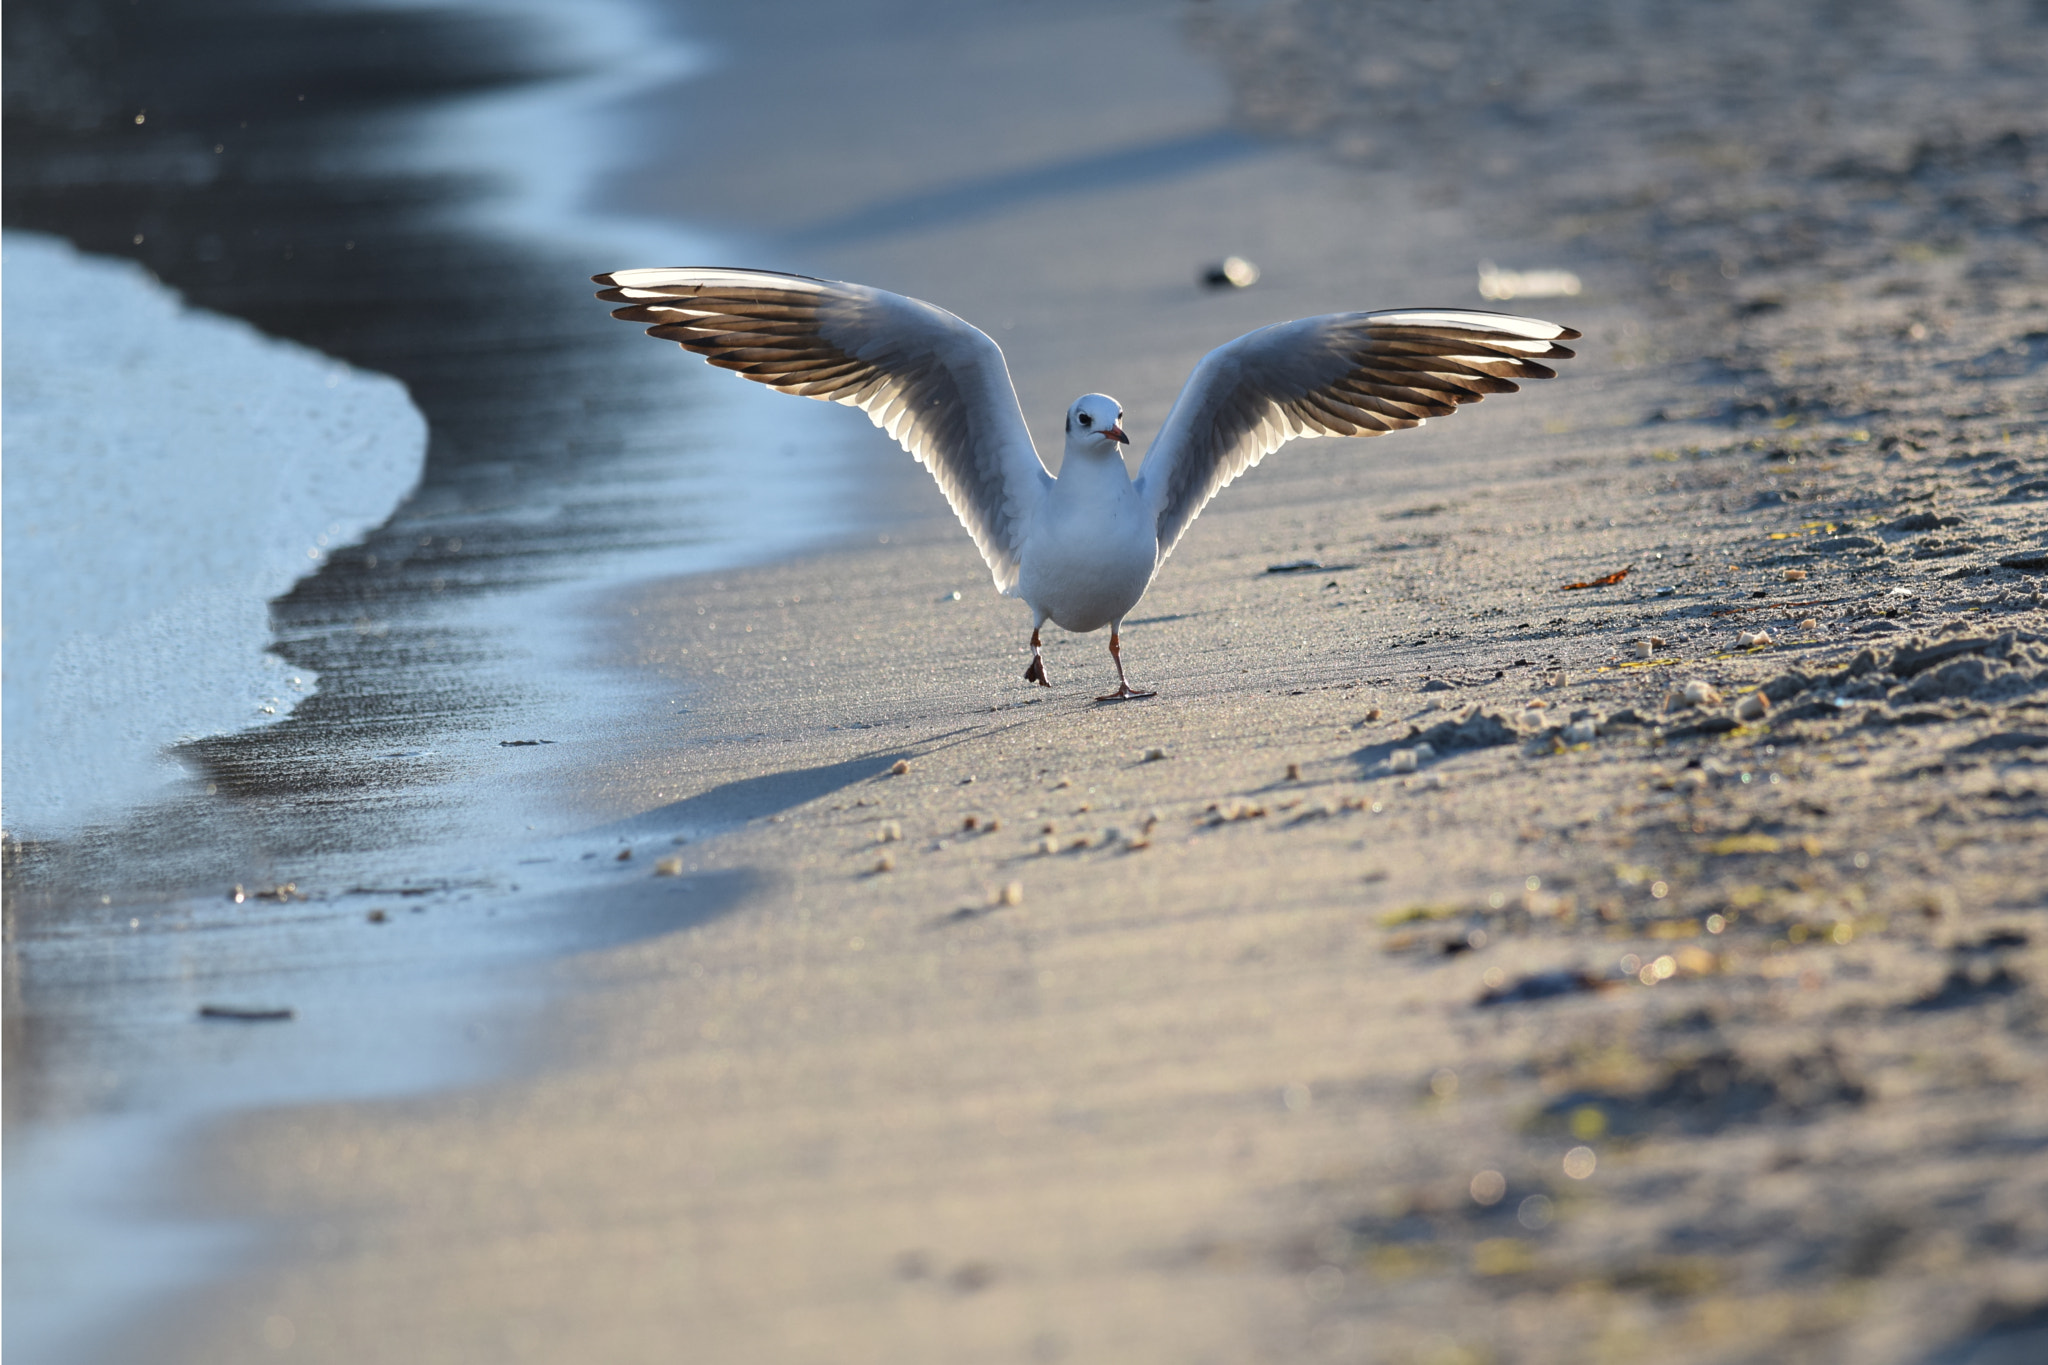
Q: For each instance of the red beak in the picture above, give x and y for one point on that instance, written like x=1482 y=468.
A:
x=1117 y=434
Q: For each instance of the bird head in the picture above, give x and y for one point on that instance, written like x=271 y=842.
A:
x=1093 y=424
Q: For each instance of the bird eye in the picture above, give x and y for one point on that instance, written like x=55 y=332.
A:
x=1084 y=420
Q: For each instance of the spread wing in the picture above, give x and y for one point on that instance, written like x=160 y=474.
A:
x=1345 y=374
x=935 y=384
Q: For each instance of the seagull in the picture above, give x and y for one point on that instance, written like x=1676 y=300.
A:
x=1081 y=549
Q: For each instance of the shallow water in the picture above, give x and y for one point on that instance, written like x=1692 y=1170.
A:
x=167 y=478
x=406 y=191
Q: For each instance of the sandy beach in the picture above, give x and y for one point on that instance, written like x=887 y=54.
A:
x=1448 y=964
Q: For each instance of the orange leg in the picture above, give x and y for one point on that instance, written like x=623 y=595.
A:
x=1124 y=690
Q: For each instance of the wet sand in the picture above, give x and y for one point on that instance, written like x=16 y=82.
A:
x=1218 y=1036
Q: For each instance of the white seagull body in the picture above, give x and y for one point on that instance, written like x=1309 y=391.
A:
x=1081 y=549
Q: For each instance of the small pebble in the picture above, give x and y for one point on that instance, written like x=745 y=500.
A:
x=1294 y=772
x=1556 y=678
x=1232 y=272
x=1535 y=704
x=1809 y=624
x=625 y=855
x=1013 y=894
x=1153 y=756
x=888 y=832
x=1373 y=714
x=1751 y=639
x=1794 y=575
x=669 y=867
x=886 y=864
x=1644 y=649
x=994 y=823
x=1581 y=732
x=1046 y=845
x=1697 y=693
x=1424 y=752
x=901 y=766
x=377 y=917
x=972 y=822
x=1753 y=707
x=1402 y=761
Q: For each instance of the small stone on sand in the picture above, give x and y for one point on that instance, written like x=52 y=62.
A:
x=669 y=867
x=901 y=766
x=1232 y=272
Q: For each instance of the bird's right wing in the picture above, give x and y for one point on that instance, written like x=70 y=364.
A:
x=1343 y=374
x=938 y=386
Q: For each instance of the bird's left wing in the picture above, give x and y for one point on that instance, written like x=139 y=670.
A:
x=935 y=384
x=1344 y=374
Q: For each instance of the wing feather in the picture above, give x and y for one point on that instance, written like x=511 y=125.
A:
x=937 y=386
x=1344 y=374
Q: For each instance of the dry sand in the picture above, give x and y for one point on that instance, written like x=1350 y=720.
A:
x=1198 y=1029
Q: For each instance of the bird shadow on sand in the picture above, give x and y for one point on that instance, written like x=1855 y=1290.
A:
x=754 y=798
x=746 y=799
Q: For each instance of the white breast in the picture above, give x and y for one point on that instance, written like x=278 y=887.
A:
x=1091 y=549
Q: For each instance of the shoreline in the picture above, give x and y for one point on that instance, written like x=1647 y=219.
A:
x=405 y=881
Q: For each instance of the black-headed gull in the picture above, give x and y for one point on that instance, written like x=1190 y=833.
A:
x=1081 y=549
